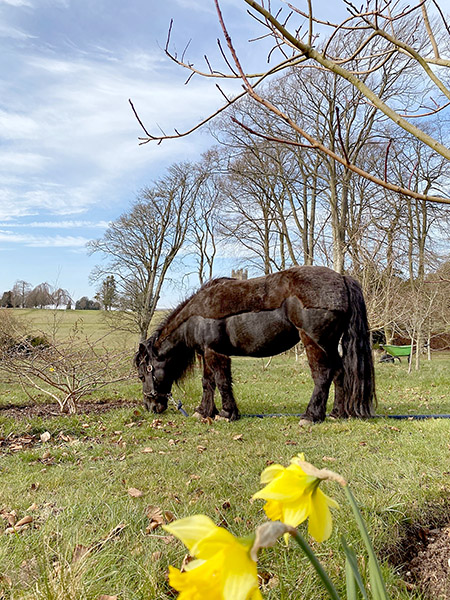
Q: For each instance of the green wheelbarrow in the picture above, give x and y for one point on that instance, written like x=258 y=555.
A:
x=394 y=352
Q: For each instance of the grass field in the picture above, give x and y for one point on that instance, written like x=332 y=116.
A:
x=76 y=485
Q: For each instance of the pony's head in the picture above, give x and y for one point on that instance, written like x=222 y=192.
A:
x=152 y=371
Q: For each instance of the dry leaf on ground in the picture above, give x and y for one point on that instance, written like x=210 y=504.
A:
x=157 y=517
x=79 y=552
x=45 y=436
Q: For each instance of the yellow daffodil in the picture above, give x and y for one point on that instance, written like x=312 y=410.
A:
x=292 y=495
x=224 y=569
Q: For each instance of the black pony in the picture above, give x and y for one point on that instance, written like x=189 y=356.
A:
x=262 y=317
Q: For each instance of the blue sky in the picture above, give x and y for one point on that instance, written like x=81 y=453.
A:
x=69 y=155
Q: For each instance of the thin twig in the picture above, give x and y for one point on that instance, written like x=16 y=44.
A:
x=386 y=159
x=344 y=150
x=138 y=119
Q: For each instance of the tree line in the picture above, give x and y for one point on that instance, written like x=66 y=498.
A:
x=23 y=295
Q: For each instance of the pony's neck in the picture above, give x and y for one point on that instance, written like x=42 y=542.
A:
x=175 y=351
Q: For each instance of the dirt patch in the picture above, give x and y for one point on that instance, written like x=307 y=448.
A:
x=422 y=554
x=52 y=409
x=18 y=442
x=429 y=570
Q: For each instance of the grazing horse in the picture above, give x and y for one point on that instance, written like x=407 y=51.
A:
x=262 y=317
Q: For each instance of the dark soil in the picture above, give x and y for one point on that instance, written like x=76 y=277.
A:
x=429 y=570
x=45 y=411
x=422 y=554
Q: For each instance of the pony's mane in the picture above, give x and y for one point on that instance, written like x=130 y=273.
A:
x=168 y=318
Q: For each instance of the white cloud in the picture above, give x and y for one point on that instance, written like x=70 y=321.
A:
x=69 y=152
x=57 y=224
x=7 y=31
x=14 y=126
x=198 y=5
x=17 y=3
x=48 y=197
x=21 y=162
x=80 y=128
x=57 y=241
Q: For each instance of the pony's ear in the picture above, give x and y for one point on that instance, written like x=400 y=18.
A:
x=142 y=350
x=141 y=354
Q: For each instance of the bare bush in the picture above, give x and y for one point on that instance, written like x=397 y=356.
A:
x=64 y=370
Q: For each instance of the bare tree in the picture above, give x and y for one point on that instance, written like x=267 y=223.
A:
x=60 y=297
x=20 y=292
x=40 y=296
x=249 y=218
x=141 y=245
x=203 y=232
x=274 y=185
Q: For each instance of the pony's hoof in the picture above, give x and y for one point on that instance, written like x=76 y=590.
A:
x=305 y=423
x=220 y=418
x=198 y=416
x=335 y=416
x=224 y=415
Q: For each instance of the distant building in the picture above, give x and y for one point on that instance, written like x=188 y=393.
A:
x=241 y=274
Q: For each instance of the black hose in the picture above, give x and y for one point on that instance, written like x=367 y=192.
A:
x=398 y=417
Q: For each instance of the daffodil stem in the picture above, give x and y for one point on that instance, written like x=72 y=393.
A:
x=308 y=551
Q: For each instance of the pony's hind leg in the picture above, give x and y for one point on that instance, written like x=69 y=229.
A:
x=320 y=330
x=207 y=406
x=221 y=365
x=339 y=408
x=322 y=371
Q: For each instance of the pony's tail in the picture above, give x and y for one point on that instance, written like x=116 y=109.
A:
x=359 y=374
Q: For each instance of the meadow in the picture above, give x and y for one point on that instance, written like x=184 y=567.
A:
x=97 y=484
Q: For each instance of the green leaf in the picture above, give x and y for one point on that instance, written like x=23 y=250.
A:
x=376 y=578
x=323 y=575
x=350 y=581
x=352 y=570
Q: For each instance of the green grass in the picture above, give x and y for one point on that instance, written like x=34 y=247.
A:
x=76 y=485
x=60 y=323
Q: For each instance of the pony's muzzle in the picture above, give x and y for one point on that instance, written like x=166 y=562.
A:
x=155 y=404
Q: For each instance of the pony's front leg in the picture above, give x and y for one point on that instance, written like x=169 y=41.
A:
x=222 y=370
x=207 y=406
